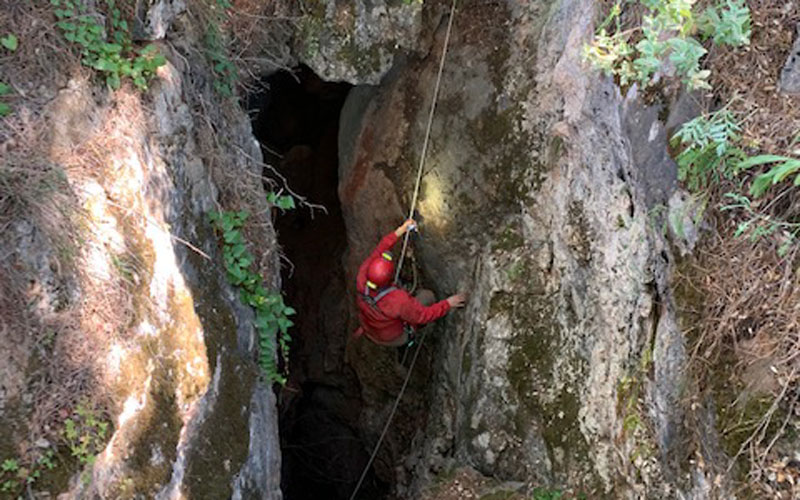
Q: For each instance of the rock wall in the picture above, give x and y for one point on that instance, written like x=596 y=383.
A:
x=540 y=198
x=158 y=336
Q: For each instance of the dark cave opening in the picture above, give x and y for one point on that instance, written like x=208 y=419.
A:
x=296 y=119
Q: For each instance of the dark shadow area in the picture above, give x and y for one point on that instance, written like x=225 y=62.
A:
x=297 y=123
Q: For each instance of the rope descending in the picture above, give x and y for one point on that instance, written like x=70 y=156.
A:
x=405 y=246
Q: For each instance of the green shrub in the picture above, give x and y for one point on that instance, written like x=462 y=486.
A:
x=15 y=477
x=272 y=315
x=727 y=23
x=666 y=34
x=711 y=153
x=85 y=433
x=107 y=49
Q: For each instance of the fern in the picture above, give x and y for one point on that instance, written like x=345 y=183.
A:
x=709 y=152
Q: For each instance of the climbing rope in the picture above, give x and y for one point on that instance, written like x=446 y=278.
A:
x=405 y=246
x=427 y=137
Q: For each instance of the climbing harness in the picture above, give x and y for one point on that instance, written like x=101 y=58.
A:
x=373 y=301
x=405 y=246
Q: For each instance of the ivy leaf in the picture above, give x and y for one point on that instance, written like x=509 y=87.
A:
x=113 y=81
x=286 y=203
x=10 y=42
x=10 y=465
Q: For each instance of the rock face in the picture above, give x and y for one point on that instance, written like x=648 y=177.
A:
x=357 y=41
x=790 y=75
x=157 y=334
x=538 y=199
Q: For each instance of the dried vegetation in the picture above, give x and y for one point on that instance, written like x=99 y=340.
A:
x=740 y=296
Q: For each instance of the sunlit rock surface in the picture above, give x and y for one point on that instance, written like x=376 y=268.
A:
x=162 y=337
x=537 y=199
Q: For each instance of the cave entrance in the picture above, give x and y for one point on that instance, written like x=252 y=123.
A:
x=296 y=119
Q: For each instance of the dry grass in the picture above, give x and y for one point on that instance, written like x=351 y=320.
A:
x=741 y=307
x=255 y=33
x=749 y=78
x=37 y=176
x=259 y=35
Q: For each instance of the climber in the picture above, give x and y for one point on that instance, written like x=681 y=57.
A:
x=388 y=314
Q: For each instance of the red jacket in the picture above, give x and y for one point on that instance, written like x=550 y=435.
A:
x=396 y=308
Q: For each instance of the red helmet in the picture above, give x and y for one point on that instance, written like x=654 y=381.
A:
x=380 y=271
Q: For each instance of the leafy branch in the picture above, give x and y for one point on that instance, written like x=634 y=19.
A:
x=666 y=34
x=109 y=51
x=271 y=313
x=709 y=153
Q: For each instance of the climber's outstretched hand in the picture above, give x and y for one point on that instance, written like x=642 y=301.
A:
x=407 y=225
x=457 y=300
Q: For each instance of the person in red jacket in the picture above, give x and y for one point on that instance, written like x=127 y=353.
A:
x=386 y=311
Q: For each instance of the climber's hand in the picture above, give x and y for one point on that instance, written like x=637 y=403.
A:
x=407 y=225
x=457 y=300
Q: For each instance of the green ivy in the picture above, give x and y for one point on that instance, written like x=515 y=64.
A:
x=284 y=202
x=271 y=313
x=107 y=49
x=225 y=72
x=10 y=42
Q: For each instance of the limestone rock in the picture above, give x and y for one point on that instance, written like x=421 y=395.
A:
x=790 y=75
x=357 y=41
x=538 y=198
x=154 y=18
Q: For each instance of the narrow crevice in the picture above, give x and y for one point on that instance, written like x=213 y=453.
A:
x=296 y=119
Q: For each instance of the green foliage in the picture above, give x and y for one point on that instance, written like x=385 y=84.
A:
x=727 y=23
x=284 y=202
x=15 y=477
x=546 y=494
x=10 y=42
x=271 y=314
x=5 y=89
x=709 y=152
x=85 y=433
x=107 y=49
x=666 y=35
x=225 y=71
x=784 y=167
